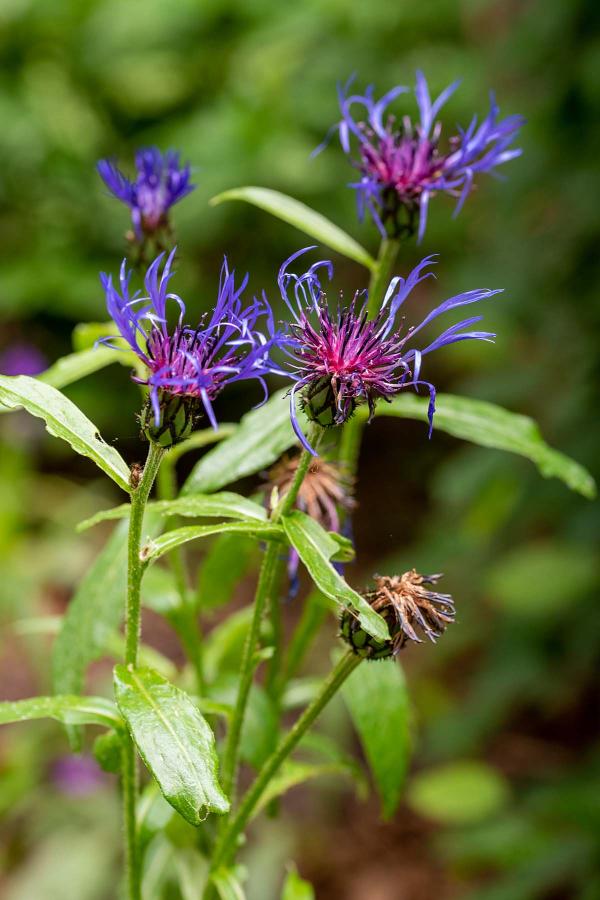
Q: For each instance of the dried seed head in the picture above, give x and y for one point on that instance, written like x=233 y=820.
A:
x=408 y=608
x=325 y=488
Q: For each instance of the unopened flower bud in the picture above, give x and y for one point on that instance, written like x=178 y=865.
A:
x=179 y=415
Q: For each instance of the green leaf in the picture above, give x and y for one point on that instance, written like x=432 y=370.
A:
x=263 y=435
x=68 y=709
x=458 y=793
x=315 y=547
x=302 y=217
x=223 y=646
x=77 y=365
x=227 y=884
x=93 y=615
x=296 y=888
x=225 y=504
x=223 y=567
x=174 y=741
x=171 y=539
x=260 y=729
x=492 y=426
x=63 y=420
x=376 y=697
x=292 y=774
x=159 y=591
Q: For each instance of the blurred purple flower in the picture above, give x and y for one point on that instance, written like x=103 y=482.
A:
x=22 y=359
x=160 y=183
x=401 y=165
x=192 y=364
x=77 y=775
x=341 y=358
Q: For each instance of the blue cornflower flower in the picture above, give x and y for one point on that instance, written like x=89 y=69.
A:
x=188 y=367
x=160 y=183
x=402 y=165
x=342 y=358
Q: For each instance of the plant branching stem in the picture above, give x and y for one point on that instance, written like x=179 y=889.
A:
x=227 y=843
x=184 y=619
x=264 y=590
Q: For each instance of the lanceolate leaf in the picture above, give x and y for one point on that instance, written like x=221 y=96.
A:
x=63 y=420
x=167 y=542
x=174 y=741
x=77 y=365
x=94 y=613
x=92 y=616
x=315 y=548
x=225 y=504
x=492 y=426
x=68 y=709
x=376 y=696
x=302 y=217
x=263 y=435
x=223 y=568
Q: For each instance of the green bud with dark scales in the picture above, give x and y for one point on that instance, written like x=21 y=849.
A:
x=407 y=607
x=320 y=404
x=362 y=643
x=180 y=414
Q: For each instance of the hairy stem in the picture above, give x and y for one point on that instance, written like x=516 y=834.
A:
x=263 y=600
x=184 y=619
x=139 y=497
x=227 y=843
x=381 y=275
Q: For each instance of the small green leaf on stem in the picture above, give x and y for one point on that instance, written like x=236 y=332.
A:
x=66 y=708
x=316 y=547
x=302 y=217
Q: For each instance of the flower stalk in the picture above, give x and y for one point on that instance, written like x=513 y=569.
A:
x=262 y=601
x=227 y=843
x=140 y=492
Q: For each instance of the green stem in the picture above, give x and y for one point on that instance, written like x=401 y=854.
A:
x=263 y=600
x=129 y=781
x=247 y=666
x=139 y=498
x=184 y=619
x=227 y=843
x=382 y=273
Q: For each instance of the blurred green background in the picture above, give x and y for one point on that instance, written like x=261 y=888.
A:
x=503 y=799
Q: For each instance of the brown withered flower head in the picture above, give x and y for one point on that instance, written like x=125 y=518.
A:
x=409 y=608
x=325 y=490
